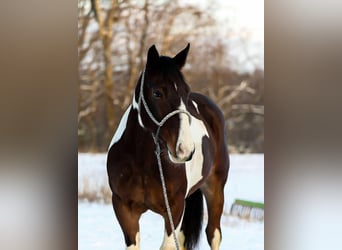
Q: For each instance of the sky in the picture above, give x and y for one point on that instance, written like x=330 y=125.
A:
x=247 y=14
x=238 y=14
x=243 y=22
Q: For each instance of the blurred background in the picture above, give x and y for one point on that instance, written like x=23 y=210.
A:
x=225 y=62
x=40 y=97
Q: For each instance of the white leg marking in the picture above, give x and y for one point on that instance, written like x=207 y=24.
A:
x=181 y=238
x=215 y=242
x=122 y=126
x=169 y=241
x=137 y=240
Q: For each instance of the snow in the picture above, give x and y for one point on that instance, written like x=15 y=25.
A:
x=99 y=229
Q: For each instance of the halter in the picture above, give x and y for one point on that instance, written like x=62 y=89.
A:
x=158 y=151
x=148 y=111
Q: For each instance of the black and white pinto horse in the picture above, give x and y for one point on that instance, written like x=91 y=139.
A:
x=193 y=154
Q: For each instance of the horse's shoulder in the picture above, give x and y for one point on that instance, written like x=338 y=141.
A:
x=121 y=128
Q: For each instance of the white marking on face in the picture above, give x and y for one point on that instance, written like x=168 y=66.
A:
x=174 y=159
x=184 y=145
x=195 y=104
x=193 y=168
x=137 y=245
x=121 y=129
x=215 y=242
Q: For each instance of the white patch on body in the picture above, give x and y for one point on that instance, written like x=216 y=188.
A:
x=137 y=240
x=121 y=129
x=195 y=104
x=215 y=242
x=193 y=168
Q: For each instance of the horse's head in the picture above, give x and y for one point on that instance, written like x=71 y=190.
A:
x=165 y=91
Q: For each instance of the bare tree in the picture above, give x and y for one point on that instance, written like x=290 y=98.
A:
x=114 y=36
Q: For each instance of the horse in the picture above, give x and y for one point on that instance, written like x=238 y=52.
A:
x=189 y=130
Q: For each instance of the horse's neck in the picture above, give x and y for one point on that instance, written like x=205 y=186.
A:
x=139 y=134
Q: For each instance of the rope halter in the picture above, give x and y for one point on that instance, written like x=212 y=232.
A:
x=149 y=113
x=158 y=151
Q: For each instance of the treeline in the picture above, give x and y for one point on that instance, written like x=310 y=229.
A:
x=113 y=40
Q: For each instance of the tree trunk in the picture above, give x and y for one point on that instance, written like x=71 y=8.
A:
x=106 y=34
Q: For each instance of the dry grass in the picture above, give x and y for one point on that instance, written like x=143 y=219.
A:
x=99 y=192
x=247 y=213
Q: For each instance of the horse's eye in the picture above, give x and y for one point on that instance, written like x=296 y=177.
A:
x=157 y=94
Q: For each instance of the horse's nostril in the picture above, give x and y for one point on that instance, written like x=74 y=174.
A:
x=180 y=150
x=184 y=153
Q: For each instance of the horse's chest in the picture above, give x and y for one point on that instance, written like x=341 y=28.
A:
x=142 y=185
x=154 y=198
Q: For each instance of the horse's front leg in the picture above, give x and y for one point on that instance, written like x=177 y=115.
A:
x=177 y=211
x=128 y=216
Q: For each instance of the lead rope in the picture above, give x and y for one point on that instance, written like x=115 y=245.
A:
x=158 y=151
x=168 y=209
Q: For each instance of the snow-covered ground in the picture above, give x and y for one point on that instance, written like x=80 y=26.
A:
x=99 y=229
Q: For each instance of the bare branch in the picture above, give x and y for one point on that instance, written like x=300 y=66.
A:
x=249 y=108
x=83 y=52
x=243 y=85
x=85 y=113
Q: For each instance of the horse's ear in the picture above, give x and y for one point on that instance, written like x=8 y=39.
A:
x=152 y=56
x=180 y=58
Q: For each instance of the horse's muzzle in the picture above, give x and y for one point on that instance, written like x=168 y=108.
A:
x=181 y=159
